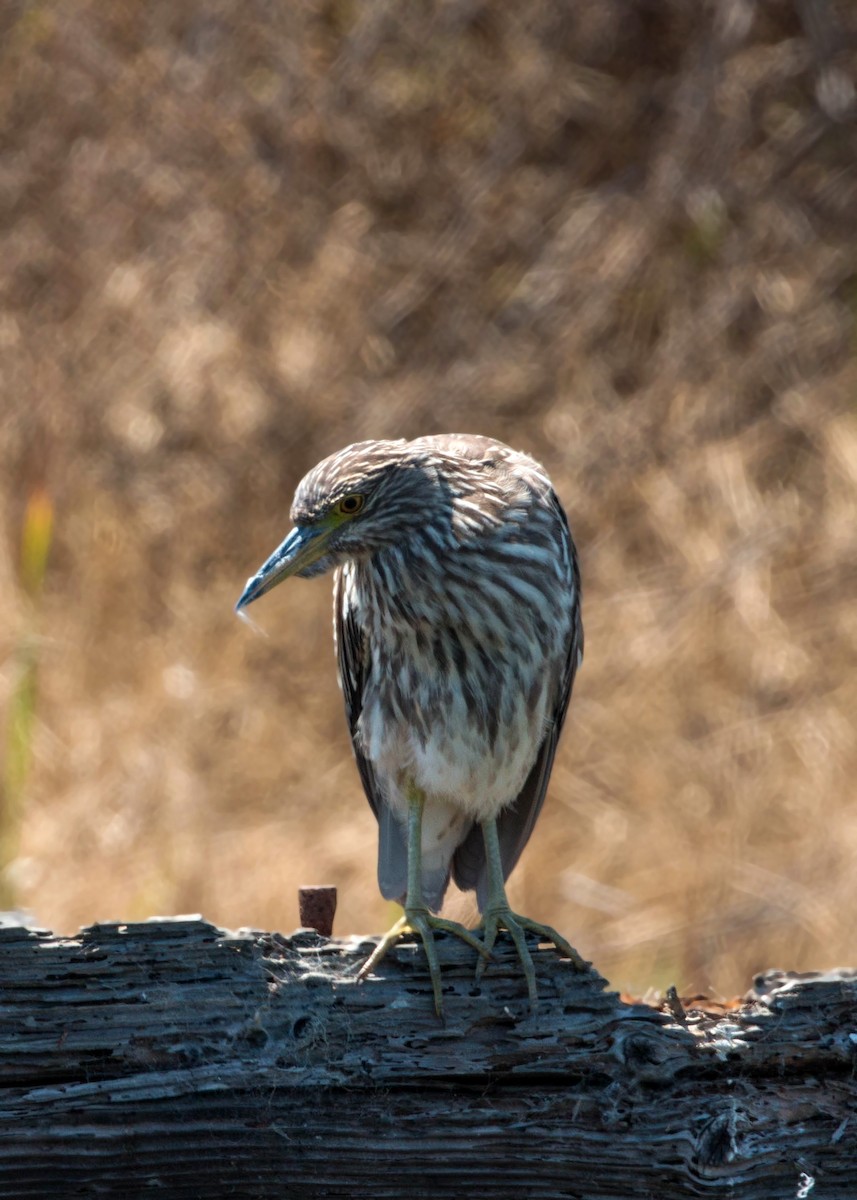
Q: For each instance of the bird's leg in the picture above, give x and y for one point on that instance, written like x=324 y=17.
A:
x=498 y=915
x=416 y=917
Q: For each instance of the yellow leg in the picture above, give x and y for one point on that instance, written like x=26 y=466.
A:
x=417 y=918
x=498 y=915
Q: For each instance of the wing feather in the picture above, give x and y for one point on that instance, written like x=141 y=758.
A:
x=516 y=822
x=354 y=661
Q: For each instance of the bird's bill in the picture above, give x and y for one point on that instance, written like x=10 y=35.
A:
x=300 y=550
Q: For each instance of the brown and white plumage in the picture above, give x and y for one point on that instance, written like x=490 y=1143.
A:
x=457 y=654
x=458 y=631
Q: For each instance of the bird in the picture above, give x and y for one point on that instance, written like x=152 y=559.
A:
x=458 y=632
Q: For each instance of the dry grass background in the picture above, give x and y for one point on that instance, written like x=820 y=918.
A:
x=236 y=235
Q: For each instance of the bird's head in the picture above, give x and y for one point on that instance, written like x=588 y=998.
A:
x=353 y=504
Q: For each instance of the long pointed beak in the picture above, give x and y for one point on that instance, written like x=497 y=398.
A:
x=300 y=549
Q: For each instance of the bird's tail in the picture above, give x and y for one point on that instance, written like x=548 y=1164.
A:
x=444 y=829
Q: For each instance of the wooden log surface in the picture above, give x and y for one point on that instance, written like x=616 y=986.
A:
x=174 y=1059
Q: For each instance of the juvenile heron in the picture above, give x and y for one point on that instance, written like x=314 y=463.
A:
x=458 y=632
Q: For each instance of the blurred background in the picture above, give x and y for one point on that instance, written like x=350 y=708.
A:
x=236 y=235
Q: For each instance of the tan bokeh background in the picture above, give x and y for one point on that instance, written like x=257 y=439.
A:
x=236 y=235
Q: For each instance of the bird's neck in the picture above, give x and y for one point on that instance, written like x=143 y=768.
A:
x=420 y=584
x=403 y=584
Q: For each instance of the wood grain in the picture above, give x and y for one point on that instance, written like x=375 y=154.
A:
x=174 y=1059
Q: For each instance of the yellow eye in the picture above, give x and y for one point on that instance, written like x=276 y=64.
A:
x=348 y=506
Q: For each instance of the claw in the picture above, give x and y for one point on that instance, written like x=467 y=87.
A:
x=502 y=917
x=421 y=921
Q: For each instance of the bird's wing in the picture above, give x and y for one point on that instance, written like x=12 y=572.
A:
x=352 y=653
x=516 y=822
x=353 y=656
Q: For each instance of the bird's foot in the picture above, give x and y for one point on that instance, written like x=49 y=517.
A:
x=500 y=917
x=421 y=921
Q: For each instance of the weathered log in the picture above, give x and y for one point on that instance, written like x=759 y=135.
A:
x=173 y=1059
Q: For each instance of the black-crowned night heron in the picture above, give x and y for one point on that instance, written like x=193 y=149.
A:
x=458 y=630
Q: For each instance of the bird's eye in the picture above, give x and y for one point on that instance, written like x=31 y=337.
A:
x=349 y=505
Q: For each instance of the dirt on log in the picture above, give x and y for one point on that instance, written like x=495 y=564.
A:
x=174 y=1059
